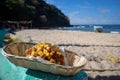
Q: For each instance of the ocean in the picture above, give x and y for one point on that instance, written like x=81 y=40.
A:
x=105 y=28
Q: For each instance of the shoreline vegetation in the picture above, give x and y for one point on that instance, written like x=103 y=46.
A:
x=37 y=11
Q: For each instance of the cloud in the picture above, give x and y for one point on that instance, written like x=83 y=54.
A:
x=103 y=10
x=84 y=20
x=50 y=1
x=83 y=7
x=89 y=19
x=75 y=18
x=73 y=14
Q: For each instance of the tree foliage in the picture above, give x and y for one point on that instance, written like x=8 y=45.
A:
x=41 y=13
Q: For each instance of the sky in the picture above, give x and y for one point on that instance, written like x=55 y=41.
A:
x=89 y=11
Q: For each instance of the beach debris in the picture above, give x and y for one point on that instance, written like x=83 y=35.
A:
x=12 y=39
x=98 y=29
x=112 y=58
x=29 y=38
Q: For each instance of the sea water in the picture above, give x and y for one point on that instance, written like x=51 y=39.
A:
x=105 y=28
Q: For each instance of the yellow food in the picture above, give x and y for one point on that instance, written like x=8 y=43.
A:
x=46 y=51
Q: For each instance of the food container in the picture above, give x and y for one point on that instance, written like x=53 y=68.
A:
x=15 y=53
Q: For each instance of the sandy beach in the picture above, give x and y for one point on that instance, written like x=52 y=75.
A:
x=94 y=46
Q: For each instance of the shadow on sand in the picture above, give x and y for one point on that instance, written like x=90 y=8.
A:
x=116 y=77
x=84 y=45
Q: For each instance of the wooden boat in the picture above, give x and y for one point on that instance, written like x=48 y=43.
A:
x=15 y=53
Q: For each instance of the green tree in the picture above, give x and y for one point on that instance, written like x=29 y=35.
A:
x=41 y=13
